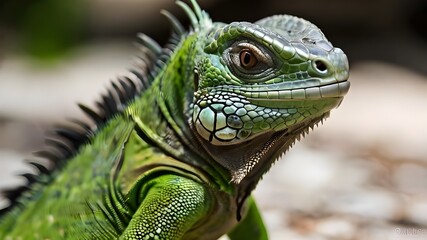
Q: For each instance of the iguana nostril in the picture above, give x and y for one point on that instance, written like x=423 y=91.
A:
x=320 y=66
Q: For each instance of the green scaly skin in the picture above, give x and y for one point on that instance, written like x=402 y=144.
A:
x=180 y=160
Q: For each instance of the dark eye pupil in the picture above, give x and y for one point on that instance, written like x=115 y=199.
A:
x=247 y=59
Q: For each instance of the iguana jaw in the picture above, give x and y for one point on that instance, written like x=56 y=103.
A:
x=227 y=115
x=250 y=159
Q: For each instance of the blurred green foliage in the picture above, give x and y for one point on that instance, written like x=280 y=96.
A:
x=45 y=29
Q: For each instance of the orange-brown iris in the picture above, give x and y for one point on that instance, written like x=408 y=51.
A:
x=247 y=59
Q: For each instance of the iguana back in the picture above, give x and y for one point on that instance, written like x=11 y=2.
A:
x=179 y=144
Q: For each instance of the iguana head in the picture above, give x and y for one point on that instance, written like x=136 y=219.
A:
x=259 y=86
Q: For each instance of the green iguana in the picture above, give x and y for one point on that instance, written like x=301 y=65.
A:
x=181 y=141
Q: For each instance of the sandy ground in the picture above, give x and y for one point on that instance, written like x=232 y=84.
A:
x=362 y=175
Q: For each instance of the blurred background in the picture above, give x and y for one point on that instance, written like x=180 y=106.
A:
x=360 y=176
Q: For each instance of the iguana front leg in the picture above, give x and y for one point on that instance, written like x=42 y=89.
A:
x=170 y=206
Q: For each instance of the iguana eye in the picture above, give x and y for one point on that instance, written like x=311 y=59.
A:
x=247 y=59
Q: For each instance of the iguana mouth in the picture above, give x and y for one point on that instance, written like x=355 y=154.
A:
x=298 y=96
x=298 y=90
